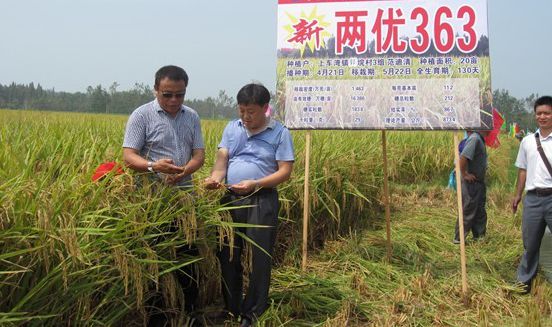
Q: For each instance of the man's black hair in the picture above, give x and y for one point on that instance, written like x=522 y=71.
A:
x=174 y=73
x=253 y=94
x=544 y=100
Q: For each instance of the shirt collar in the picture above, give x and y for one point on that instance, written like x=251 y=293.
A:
x=158 y=108
x=537 y=132
x=269 y=125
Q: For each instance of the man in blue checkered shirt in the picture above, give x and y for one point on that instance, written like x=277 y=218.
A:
x=164 y=136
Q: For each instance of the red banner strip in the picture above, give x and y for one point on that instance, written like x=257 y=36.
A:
x=291 y=2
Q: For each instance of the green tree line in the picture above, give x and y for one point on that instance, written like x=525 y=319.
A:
x=516 y=110
x=111 y=100
x=104 y=100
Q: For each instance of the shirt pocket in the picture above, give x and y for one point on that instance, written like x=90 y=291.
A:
x=266 y=151
x=185 y=136
x=160 y=135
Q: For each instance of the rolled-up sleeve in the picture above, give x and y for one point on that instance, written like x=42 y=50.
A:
x=198 y=137
x=521 y=161
x=135 y=133
x=469 y=149
x=284 y=152
x=225 y=141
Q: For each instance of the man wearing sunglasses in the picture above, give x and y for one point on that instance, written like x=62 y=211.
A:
x=163 y=138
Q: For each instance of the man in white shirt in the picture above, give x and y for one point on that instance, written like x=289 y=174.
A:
x=535 y=178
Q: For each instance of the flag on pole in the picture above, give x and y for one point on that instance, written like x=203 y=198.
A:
x=505 y=126
x=491 y=139
x=105 y=168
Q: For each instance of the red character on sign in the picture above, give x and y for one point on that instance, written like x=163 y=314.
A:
x=305 y=30
x=470 y=44
x=421 y=42
x=351 y=32
x=392 y=23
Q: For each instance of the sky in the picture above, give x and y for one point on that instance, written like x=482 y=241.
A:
x=222 y=44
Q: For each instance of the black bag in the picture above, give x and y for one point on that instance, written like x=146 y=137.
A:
x=543 y=156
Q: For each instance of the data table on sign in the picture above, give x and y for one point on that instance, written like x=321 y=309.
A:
x=445 y=103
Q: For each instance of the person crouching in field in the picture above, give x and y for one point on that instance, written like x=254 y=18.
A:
x=535 y=177
x=473 y=167
x=163 y=137
x=255 y=155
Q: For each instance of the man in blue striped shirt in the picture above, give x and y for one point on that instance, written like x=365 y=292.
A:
x=164 y=136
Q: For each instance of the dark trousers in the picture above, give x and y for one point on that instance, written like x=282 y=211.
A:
x=263 y=210
x=474 y=197
x=159 y=312
x=537 y=213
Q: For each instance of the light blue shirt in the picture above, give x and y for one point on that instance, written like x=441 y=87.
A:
x=157 y=135
x=255 y=156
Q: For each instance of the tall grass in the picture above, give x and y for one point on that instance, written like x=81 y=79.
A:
x=74 y=250
x=94 y=253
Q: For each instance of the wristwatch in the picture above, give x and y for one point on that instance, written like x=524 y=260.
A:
x=150 y=166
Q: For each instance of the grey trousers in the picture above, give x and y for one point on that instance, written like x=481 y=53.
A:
x=537 y=213
x=474 y=197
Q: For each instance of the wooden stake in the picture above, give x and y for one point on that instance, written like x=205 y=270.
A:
x=386 y=195
x=306 y=200
x=460 y=217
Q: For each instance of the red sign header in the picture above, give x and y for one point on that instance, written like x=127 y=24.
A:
x=290 y=2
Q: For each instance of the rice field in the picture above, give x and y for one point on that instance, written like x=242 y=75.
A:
x=80 y=253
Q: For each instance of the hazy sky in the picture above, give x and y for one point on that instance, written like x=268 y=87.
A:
x=223 y=44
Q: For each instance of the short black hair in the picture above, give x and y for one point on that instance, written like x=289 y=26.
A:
x=174 y=73
x=544 y=100
x=253 y=94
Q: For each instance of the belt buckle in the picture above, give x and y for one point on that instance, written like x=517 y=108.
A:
x=543 y=192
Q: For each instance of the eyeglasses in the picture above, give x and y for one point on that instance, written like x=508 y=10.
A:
x=169 y=95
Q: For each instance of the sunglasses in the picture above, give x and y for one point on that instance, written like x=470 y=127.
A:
x=169 y=95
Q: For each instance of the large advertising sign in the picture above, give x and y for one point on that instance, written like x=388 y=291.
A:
x=384 y=64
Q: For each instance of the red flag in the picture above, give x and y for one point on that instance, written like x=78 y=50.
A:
x=105 y=168
x=516 y=128
x=491 y=139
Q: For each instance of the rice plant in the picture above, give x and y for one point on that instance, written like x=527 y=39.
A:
x=75 y=252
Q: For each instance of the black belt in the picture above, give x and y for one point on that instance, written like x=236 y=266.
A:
x=261 y=191
x=541 y=191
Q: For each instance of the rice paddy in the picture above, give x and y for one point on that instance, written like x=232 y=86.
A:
x=80 y=253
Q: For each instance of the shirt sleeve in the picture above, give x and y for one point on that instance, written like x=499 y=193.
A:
x=225 y=141
x=198 y=137
x=135 y=133
x=521 y=161
x=284 y=152
x=469 y=149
